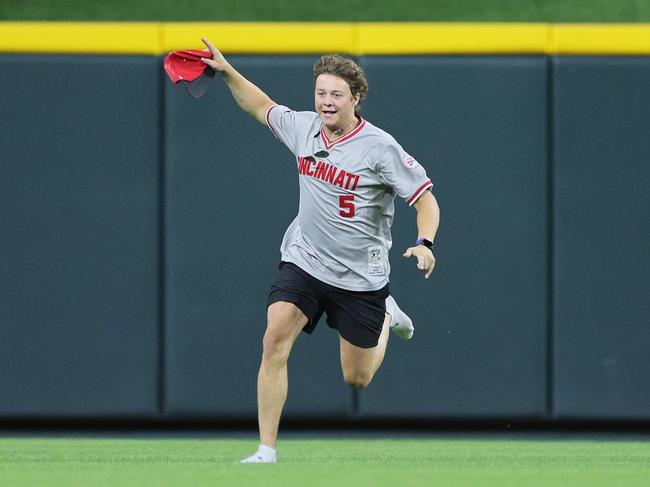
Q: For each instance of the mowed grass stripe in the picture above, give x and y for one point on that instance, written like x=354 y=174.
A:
x=358 y=462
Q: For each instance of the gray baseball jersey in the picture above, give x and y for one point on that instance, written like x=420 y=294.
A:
x=347 y=190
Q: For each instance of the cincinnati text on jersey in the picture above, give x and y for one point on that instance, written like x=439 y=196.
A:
x=307 y=166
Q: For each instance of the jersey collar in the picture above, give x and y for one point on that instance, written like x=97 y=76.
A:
x=329 y=144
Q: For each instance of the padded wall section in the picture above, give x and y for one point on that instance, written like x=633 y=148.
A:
x=478 y=125
x=79 y=236
x=232 y=192
x=602 y=235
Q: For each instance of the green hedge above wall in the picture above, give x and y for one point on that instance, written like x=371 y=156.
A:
x=331 y=11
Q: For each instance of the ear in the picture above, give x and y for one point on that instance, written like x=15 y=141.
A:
x=356 y=99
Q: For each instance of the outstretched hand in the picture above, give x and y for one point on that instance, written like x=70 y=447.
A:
x=218 y=62
x=426 y=260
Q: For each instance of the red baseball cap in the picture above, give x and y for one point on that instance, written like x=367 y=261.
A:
x=186 y=66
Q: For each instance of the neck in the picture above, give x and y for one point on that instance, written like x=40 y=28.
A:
x=345 y=129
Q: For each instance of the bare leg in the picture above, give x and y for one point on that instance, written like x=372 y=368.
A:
x=360 y=364
x=382 y=344
x=285 y=321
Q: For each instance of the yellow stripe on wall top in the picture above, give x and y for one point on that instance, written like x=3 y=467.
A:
x=629 y=39
x=264 y=38
x=449 y=38
x=402 y=38
x=81 y=37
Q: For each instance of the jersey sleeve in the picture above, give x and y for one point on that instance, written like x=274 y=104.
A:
x=403 y=173
x=288 y=126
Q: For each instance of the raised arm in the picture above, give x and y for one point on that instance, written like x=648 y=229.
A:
x=248 y=96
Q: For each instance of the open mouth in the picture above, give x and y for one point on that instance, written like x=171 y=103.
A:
x=329 y=112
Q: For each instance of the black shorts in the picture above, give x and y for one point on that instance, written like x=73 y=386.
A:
x=357 y=315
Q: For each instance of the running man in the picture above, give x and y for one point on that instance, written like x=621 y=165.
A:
x=335 y=253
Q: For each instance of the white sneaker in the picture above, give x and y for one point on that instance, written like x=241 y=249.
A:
x=400 y=323
x=264 y=454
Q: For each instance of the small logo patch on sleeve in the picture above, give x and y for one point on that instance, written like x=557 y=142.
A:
x=409 y=162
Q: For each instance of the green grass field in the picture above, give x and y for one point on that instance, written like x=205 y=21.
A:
x=327 y=462
x=333 y=10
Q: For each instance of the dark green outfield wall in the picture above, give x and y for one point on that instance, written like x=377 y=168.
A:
x=601 y=136
x=79 y=236
x=140 y=232
x=479 y=126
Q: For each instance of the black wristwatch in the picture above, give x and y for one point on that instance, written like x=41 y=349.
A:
x=424 y=241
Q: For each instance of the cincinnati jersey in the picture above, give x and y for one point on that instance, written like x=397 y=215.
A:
x=347 y=190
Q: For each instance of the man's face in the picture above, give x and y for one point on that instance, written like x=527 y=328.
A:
x=334 y=101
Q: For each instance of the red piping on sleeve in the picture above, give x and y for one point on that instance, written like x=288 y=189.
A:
x=419 y=192
x=268 y=122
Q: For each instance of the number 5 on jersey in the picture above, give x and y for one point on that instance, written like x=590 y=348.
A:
x=346 y=205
